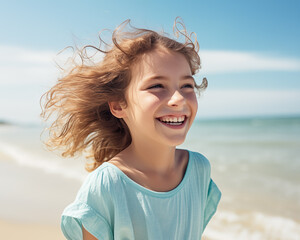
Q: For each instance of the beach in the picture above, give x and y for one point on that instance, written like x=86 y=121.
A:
x=14 y=230
x=32 y=201
x=255 y=163
x=35 y=188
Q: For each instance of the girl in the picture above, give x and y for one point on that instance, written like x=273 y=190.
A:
x=130 y=111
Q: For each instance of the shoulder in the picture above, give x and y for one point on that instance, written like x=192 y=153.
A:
x=97 y=178
x=199 y=159
x=98 y=183
x=200 y=166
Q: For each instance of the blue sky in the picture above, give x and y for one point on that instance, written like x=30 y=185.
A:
x=250 y=50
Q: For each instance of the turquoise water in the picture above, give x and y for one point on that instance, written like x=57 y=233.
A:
x=255 y=162
x=262 y=155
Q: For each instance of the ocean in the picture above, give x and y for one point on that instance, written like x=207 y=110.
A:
x=255 y=162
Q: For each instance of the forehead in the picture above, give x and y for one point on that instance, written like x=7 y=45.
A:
x=160 y=62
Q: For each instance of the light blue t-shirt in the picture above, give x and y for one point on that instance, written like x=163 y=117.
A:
x=112 y=206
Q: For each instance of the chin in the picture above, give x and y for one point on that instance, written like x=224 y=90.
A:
x=176 y=142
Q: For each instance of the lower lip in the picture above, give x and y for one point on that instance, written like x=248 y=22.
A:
x=174 y=126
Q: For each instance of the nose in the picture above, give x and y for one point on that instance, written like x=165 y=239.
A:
x=176 y=99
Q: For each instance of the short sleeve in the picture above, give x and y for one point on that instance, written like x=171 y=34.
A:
x=212 y=201
x=78 y=214
x=90 y=209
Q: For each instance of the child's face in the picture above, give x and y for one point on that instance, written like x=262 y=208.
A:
x=161 y=101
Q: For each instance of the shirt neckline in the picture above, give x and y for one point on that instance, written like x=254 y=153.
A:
x=152 y=192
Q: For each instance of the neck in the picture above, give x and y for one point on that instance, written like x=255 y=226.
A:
x=151 y=157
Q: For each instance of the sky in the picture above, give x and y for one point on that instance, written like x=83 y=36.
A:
x=249 y=50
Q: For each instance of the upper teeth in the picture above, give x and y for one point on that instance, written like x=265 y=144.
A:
x=172 y=119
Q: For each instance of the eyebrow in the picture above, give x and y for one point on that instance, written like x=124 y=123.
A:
x=186 y=77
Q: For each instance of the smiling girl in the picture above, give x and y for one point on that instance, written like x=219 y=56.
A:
x=130 y=111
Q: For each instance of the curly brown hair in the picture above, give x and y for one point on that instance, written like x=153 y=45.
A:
x=80 y=98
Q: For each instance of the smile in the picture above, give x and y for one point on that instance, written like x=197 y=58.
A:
x=172 y=120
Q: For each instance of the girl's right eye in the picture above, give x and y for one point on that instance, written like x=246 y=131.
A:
x=156 y=86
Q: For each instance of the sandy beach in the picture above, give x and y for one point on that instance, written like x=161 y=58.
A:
x=16 y=231
x=32 y=201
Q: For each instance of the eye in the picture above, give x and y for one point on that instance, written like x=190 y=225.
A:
x=156 y=86
x=188 y=85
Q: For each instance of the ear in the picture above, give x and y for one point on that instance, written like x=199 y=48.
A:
x=117 y=109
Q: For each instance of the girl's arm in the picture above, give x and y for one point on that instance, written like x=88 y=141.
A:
x=86 y=235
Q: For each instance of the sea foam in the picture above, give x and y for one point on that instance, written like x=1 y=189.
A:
x=47 y=164
x=251 y=226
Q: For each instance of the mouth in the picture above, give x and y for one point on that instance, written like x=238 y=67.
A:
x=173 y=120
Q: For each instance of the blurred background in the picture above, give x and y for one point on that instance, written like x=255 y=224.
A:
x=248 y=122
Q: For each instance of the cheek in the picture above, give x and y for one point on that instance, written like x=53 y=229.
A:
x=149 y=101
x=194 y=106
x=192 y=100
x=195 y=103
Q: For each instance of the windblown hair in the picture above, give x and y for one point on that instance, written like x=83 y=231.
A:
x=83 y=121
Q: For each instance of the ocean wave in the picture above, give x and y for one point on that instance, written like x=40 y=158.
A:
x=48 y=164
x=251 y=226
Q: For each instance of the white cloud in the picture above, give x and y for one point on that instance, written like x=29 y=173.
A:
x=20 y=65
x=230 y=61
x=26 y=66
